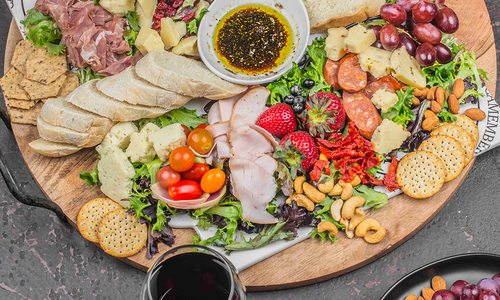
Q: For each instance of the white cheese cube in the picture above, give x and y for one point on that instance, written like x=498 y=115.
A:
x=388 y=136
x=172 y=32
x=376 y=61
x=335 y=43
x=118 y=136
x=117 y=7
x=148 y=40
x=145 y=10
x=384 y=100
x=406 y=69
x=141 y=148
x=115 y=174
x=359 y=39
x=167 y=139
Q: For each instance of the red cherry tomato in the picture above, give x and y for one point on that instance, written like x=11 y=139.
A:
x=213 y=181
x=166 y=177
x=202 y=126
x=196 y=172
x=181 y=159
x=186 y=130
x=200 y=140
x=185 y=190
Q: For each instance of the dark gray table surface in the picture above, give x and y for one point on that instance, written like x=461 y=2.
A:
x=43 y=258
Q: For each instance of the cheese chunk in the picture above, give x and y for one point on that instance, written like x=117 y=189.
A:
x=172 y=32
x=117 y=7
x=141 y=148
x=388 y=136
x=359 y=39
x=187 y=46
x=376 y=61
x=167 y=139
x=384 y=100
x=115 y=174
x=145 y=10
x=406 y=69
x=335 y=43
x=148 y=40
x=118 y=136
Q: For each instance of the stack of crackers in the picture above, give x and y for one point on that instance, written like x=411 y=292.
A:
x=35 y=76
x=439 y=159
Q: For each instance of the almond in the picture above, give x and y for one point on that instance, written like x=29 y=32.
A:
x=438 y=283
x=446 y=95
x=415 y=101
x=431 y=93
x=429 y=114
x=453 y=104
x=427 y=293
x=458 y=88
x=411 y=297
x=435 y=107
x=424 y=92
x=475 y=114
x=440 y=95
x=418 y=93
x=430 y=123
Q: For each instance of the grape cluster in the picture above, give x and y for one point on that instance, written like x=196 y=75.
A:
x=485 y=289
x=426 y=21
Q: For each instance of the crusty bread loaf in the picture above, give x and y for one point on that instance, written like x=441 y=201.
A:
x=87 y=97
x=184 y=76
x=325 y=14
x=128 y=87
x=52 y=149
x=63 y=135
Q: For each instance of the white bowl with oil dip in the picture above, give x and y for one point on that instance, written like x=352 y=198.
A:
x=278 y=28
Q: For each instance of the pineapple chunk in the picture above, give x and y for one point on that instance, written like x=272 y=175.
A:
x=172 y=32
x=359 y=39
x=376 y=61
x=148 y=40
x=406 y=69
x=187 y=46
x=335 y=43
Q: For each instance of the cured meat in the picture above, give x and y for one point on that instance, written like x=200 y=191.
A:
x=331 y=73
x=351 y=77
x=362 y=112
x=385 y=83
x=248 y=109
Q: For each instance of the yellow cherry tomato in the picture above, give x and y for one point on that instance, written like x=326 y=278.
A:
x=200 y=140
x=213 y=180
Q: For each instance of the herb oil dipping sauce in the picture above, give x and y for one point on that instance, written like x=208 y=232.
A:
x=253 y=39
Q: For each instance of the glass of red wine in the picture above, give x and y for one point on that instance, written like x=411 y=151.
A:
x=192 y=272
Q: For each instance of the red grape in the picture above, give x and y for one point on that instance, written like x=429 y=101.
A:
x=488 y=284
x=470 y=292
x=496 y=277
x=424 y=12
x=427 y=33
x=409 y=24
x=393 y=13
x=389 y=37
x=426 y=54
x=444 y=295
x=488 y=295
x=407 y=4
x=446 y=20
x=443 y=54
x=376 y=30
x=378 y=44
x=458 y=286
x=408 y=43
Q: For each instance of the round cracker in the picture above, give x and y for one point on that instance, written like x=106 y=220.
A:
x=468 y=125
x=464 y=138
x=449 y=150
x=121 y=235
x=421 y=174
x=91 y=214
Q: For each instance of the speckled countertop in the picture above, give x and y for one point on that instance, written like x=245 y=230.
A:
x=43 y=258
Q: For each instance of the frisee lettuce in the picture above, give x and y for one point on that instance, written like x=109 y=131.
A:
x=42 y=30
x=401 y=112
x=87 y=74
x=90 y=178
x=133 y=31
x=184 y=116
x=192 y=26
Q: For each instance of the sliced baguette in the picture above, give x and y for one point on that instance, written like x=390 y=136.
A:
x=63 y=135
x=325 y=14
x=87 y=97
x=51 y=149
x=185 y=76
x=126 y=86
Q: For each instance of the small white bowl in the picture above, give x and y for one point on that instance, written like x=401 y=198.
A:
x=293 y=10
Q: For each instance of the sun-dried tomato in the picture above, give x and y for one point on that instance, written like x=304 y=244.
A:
x=318 y=168
x=177 y=3
x=189 y=16
x=390 y=180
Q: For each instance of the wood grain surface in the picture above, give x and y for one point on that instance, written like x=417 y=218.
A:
x=307 y=262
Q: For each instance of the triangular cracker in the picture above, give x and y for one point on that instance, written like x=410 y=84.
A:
x=72 y=82
x=23 y=51
x=45 y=68
x=10 y=85
x=37 y=90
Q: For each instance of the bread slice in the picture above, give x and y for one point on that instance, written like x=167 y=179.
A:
x=325 y=14
x=52 y=149
x=87 y=97
x=63 y=135
x=185 y=76
x=126 y=86
x=58 y=112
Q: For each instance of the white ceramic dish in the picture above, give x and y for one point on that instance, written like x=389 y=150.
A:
x=293 y=10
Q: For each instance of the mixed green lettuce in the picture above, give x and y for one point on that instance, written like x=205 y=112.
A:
x=42 y=30
x=87 y=74
x=401 y=112
x=133 y=31
x=372 y=198
x=192 y=26
x=185 y=116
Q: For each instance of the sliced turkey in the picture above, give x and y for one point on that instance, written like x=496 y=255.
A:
x=247 y=142
x=249 y=108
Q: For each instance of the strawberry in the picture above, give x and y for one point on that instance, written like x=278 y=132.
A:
x=279 y=120
x=299 y=151
x=324 y=114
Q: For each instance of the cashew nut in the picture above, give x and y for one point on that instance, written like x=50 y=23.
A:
x=326 y=186
x=336 y=191
x=328 y=226
x=335 y=209
x=371 y=225
x=312 y=193
x=359 y=216
x=348 y=233
x=356 y=181
x=350 y=205
x=297 y=184
x=347 y=191
x=302 y=201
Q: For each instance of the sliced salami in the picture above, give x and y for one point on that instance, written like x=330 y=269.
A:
x=351 y=77
x=362 y=112
x=331 y=72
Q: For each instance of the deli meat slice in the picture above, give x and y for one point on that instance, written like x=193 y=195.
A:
x=254 y=187
x=351 y=77
x=362 y=112
x=246 y=142
x=249 y=108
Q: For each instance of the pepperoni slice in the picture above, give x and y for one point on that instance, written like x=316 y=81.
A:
x=331 y=72
x=351 y=77
x=362 y=112
x=387 y=83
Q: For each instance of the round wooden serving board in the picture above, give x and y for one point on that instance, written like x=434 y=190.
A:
x=307 y=262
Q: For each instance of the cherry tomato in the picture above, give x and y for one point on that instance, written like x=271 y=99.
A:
x=213 y=181
x=185 y=190
x=202 y=126
x=196 y=172
x=166 y=177
x=181 y=159
x=186 y=130
x=200 y=140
